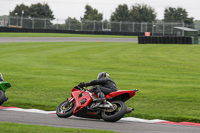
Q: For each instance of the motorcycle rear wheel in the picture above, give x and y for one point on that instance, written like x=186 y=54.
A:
x=116 y=114
x=65 y=109
x=2 y=97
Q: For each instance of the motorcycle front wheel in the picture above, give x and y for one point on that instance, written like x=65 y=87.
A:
x=2 y=97
x=65 y=109
x=115 y=114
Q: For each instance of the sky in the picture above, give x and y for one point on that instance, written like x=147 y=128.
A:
x=63 y=9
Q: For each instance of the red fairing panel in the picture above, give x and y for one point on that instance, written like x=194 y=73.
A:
x=74 y=89
x=120 y=92
x=75 y=94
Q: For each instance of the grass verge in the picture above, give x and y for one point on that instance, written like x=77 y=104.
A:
x=6 y=127
x=6 y=34
x=167 y=76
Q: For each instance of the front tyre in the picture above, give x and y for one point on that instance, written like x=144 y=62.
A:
x=115 y=114
x=2 y=97
x=65 y=109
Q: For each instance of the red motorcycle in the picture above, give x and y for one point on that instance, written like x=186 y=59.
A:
x=82 y=104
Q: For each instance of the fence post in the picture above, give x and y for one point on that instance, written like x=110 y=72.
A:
x=141 y=27
x=102 y=26
x=21 y=21
x=22 y=18
x=120 y=26
x=146 y=27
x=45 y=23
x=57 y=24
x=183 y=29
x=94 y=26
x=172 y=28
x=163 y=29
x=8 y=21
x=32 y=23
x=81 y=26
x=133 y=28
x=69 y=25
x=110 y=26
x=17 y=21
x=152 y=28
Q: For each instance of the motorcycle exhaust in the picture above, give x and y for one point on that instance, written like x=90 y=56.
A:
x=129 y=110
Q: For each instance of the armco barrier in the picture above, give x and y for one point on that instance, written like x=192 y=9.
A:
x=164 y=40
x=6 y=29
x=26 y=30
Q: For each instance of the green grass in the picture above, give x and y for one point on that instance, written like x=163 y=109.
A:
x=167 y=76
x=6 y=34
x=6 y=127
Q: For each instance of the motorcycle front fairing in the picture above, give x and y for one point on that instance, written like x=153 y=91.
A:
x=4 y=86
x=82 y=99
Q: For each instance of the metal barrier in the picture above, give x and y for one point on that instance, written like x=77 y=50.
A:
x=7 y=29
x=158 y=28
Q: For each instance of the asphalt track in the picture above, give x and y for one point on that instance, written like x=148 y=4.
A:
x=75 y=122
x=64 y=39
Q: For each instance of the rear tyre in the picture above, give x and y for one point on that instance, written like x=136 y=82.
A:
x=115 y=114
x=65 y=109
x=2 y=97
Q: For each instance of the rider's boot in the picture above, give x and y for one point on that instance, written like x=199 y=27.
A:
x=100 y=100
x=101 y=97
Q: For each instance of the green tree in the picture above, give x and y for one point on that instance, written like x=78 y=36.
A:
x=177 y=15
x=44 y=13
x=30 y=14
x=17 y=14
x=92 y=14
x=138 y=13
x=90 y=18
x=41 y=11
x=142 y=13
x=72 y=24
x=19 y=9
x=121 y=13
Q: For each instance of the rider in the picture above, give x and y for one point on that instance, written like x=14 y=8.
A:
x=106 y=86
x=1 y=77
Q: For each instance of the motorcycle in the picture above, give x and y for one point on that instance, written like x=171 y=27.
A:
x=83 y=104
x=3 y=86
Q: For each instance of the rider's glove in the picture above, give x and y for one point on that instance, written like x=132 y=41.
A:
x=82 y=84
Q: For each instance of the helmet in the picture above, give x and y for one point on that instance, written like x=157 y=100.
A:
x=103 y=74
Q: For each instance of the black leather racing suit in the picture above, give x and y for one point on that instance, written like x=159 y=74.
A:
x=106 y=85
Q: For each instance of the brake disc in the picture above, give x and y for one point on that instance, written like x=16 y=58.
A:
x=67 y=107
x=111 y=110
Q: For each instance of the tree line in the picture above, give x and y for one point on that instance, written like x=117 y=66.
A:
x=137 y=13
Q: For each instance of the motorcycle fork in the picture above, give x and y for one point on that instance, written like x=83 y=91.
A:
x=70 y=100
